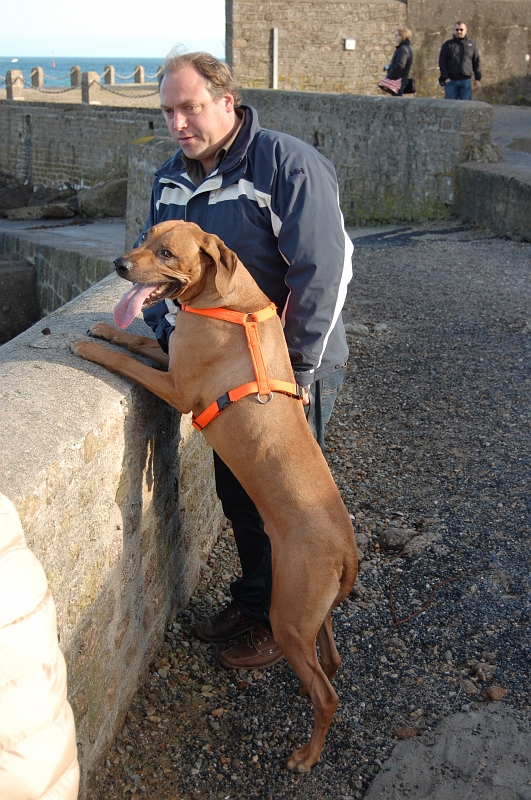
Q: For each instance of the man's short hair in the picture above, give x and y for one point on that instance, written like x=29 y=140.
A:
x=217 y=75
x=405 y=33
x=461 y=22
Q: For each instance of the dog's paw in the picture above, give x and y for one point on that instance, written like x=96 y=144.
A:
x=90 y=351
x=101 y=330
x=302 y=759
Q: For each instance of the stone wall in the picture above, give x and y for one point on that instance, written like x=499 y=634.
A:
x=495 y=196
x=61 y=275
x=70 y=145
x=115 y=494
x=500 y=28
x=395 y=159
x=311 y=43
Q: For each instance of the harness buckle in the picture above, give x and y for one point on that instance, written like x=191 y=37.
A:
x=264 y=402
x=223 y=401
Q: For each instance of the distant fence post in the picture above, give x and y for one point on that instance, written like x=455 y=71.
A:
x=90 y=88
x=139 y=74
x=15 y=84
x=75 y=76
x=37 y=77
x=109 y=75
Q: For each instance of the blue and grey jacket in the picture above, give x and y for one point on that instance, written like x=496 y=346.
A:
x=274 y=201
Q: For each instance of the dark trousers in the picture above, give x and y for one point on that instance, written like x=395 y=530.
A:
x=252 y=591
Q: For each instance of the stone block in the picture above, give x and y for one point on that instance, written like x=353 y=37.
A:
x=15 y=84
x=90 y=88
x=495 y=196
x=48 y=211
x=107 y=199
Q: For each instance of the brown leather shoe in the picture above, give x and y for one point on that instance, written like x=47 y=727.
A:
x=258 y=651
x=228 y=624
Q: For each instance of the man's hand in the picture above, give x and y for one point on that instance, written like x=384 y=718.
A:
x=477 y=84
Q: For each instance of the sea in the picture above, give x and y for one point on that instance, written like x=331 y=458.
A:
x=57 y=70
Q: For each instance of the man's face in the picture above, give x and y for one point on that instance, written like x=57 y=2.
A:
x=460 y=30
x=198 y=123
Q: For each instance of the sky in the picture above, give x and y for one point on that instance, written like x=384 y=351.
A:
x=120 y=28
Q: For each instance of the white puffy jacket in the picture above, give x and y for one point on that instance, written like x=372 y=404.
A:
x=38 y=757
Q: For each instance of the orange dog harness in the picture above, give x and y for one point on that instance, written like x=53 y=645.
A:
x=262 y=385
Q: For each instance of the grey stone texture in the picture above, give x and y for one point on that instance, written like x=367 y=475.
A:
x=115 y=494
x=396 y=160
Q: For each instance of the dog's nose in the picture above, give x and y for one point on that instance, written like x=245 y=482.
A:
x=122 y=266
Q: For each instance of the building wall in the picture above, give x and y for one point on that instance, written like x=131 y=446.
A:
x=312 y=56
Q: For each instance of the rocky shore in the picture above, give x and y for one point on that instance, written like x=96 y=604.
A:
x=430 y=445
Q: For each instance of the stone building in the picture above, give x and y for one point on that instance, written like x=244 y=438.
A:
x=343 y=45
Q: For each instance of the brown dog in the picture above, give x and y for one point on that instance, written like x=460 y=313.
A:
x=267 y=445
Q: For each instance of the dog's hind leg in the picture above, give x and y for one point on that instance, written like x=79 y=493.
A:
x=329 y=657
x=296 y=619
x=302 y=657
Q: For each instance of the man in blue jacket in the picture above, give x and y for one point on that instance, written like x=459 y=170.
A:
x=458 y=61
x=273 y=200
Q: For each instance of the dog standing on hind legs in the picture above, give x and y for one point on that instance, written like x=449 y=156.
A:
x=239 y=385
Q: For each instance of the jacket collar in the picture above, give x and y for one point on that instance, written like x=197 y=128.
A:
x=174 y=166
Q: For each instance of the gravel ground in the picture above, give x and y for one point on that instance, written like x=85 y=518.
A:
x=430 y=446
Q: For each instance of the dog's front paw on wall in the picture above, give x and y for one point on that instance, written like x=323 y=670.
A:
x=101 y=330
x=90 y=351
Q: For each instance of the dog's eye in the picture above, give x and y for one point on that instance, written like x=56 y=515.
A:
x=166 y=253
x=144 y=237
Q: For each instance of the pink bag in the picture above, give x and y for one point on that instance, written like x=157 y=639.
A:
x=388 y=85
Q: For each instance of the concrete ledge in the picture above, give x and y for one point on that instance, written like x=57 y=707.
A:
x=497 y=196
x=115 y=494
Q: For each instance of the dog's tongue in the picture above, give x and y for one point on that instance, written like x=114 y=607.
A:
x=131 y=304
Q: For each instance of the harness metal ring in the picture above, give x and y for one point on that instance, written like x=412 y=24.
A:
x=265 y=402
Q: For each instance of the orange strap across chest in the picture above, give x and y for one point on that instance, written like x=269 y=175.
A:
x=262 y=385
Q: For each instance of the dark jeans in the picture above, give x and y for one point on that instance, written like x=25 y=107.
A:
x=458 y=90
x=252 y=591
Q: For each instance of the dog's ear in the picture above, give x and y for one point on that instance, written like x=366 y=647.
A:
x=225 y=261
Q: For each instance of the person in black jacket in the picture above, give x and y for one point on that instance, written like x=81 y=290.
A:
x=458 y=61
x=402 y=60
